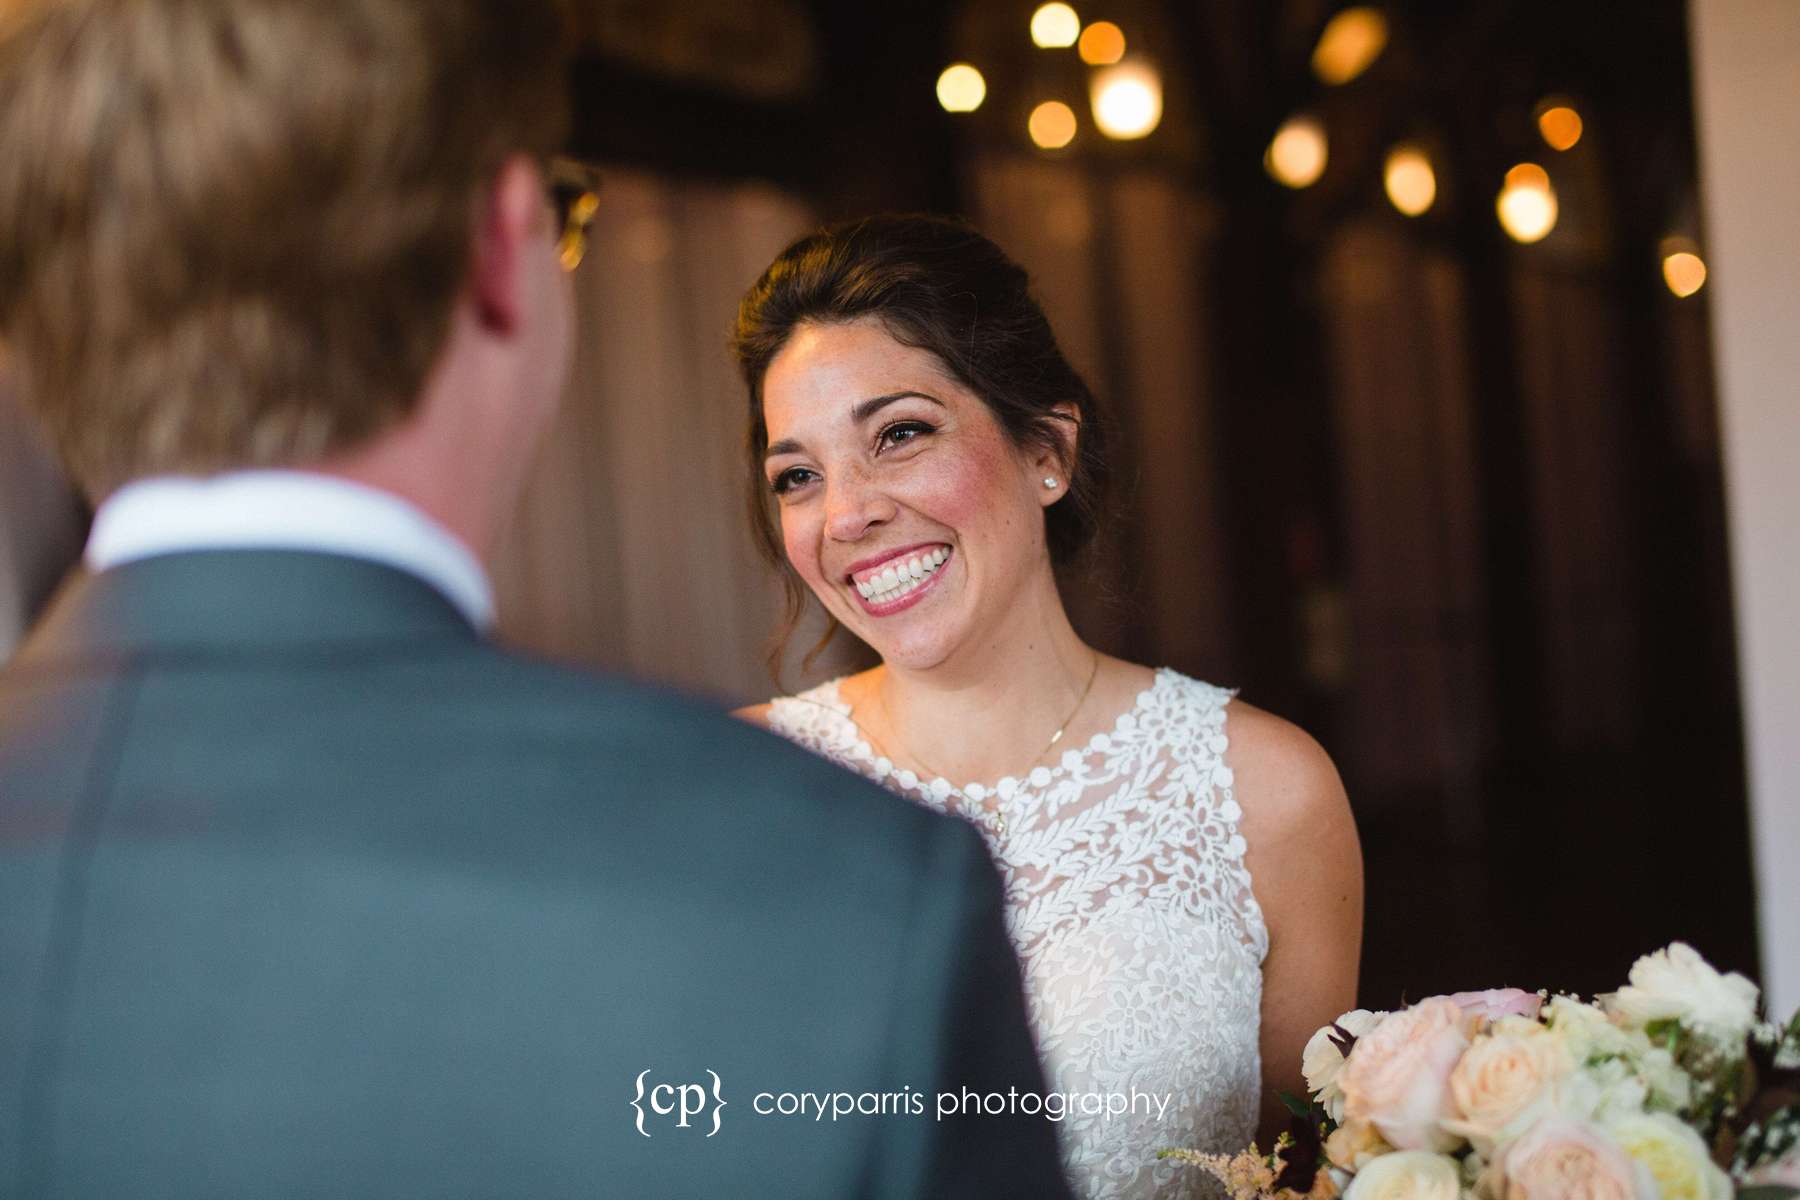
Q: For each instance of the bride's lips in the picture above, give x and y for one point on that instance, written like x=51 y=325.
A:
x=871 y=570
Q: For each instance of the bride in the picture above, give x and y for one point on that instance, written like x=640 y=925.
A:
x=1184 y=881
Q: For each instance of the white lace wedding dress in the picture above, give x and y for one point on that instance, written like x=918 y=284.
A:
x=1132 y=912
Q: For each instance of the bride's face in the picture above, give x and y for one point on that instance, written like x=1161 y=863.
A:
x=904 y=504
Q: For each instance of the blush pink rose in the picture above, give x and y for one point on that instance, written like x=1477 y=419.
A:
x=1563 y=1159
x=1495 y=1003
x=1398 y=1077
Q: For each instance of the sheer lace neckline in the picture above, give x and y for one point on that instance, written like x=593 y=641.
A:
x=859 y=748
x=1135 y=918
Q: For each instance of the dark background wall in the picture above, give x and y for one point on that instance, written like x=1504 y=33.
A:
x=1450 y=502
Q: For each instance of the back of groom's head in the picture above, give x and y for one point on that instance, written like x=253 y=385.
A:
x=233 y=232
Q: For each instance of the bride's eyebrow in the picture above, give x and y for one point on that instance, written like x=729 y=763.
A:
x=862 y=412
x=869 y=408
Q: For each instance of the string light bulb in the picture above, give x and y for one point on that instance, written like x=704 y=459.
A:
x=1683 y=270
x=1101 y=44
x=1052 y=125
x=1559 y=125
x=1297 y=154
x=1351 y=41
x=961 y=89
x=1409 y=179
x=1526 y=205
x=1054 y=26
x=1127 y=100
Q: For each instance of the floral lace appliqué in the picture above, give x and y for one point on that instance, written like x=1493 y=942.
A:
x=1133 y=915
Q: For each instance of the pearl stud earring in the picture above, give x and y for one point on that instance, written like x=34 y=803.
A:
x=1050 y=481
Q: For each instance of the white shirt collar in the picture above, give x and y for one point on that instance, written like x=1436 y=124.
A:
x=287 y=510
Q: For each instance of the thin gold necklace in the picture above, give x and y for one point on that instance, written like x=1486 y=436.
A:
x=999 y=814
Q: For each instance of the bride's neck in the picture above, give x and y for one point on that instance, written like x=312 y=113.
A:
x=989 y=710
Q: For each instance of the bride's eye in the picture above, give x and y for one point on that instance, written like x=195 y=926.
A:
x=790 y=479
x=901 y=432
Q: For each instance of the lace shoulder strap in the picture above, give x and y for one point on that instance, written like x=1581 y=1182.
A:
x=1195 y=735
x=819 y=721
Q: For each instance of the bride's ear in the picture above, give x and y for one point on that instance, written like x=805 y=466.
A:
x=1057 y=460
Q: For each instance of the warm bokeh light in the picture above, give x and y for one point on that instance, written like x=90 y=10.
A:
x=1528 y=175
x=1683 y=268
x=1685 y=273
x=1410 y=181
x=1560 y=125
x=961 y=88
x=1527 y=204
x=1352 y=40
x=1054 y=26
x=1102 y=44
x=1127 y=100
x=1296 y=157
x=1052 y=125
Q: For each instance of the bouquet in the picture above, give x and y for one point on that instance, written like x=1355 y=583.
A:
x=1668 y=1089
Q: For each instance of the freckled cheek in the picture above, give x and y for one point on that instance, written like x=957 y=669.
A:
x=966 y=491
x=800 y=541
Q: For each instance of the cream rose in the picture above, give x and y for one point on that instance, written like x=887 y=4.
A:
x=1355 y=1145
x=1503 y=1084
x=1678 y=984
x=1398 y=1077
x=1561 y=1159
x=1322 y=1062
x=1406 y=1175
x=1673 y=1154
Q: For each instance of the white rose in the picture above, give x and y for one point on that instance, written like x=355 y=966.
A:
x=1503 y=1084
x=1678 y=984
x=1407 y=1175
x=1608 y=1053
x=1673 y=1154
x=1597 y=1094
x=1670 y=1087
x=1322 y=1061
x=1585 y=1030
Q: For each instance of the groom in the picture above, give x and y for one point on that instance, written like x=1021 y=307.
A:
x=306 y=888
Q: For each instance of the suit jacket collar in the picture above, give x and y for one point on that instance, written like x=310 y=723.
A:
x=240 y=600
x=287 y=510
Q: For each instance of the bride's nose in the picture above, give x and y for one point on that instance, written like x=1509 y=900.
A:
x=854 y=505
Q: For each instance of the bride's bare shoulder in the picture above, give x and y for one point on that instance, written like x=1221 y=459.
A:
x=754 y=714
x=1284 y=780
x=849 y=689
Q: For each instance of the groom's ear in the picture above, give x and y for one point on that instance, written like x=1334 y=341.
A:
x=511 y=216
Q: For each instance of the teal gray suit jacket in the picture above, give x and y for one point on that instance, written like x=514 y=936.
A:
x=308 y=890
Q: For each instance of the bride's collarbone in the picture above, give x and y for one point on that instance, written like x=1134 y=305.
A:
x=974 y=753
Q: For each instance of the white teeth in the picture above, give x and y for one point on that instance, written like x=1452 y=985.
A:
x=899 y=578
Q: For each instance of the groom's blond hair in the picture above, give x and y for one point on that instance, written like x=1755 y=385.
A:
x=232 y=231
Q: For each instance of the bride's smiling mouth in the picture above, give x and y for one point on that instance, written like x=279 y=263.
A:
x=890 y=582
